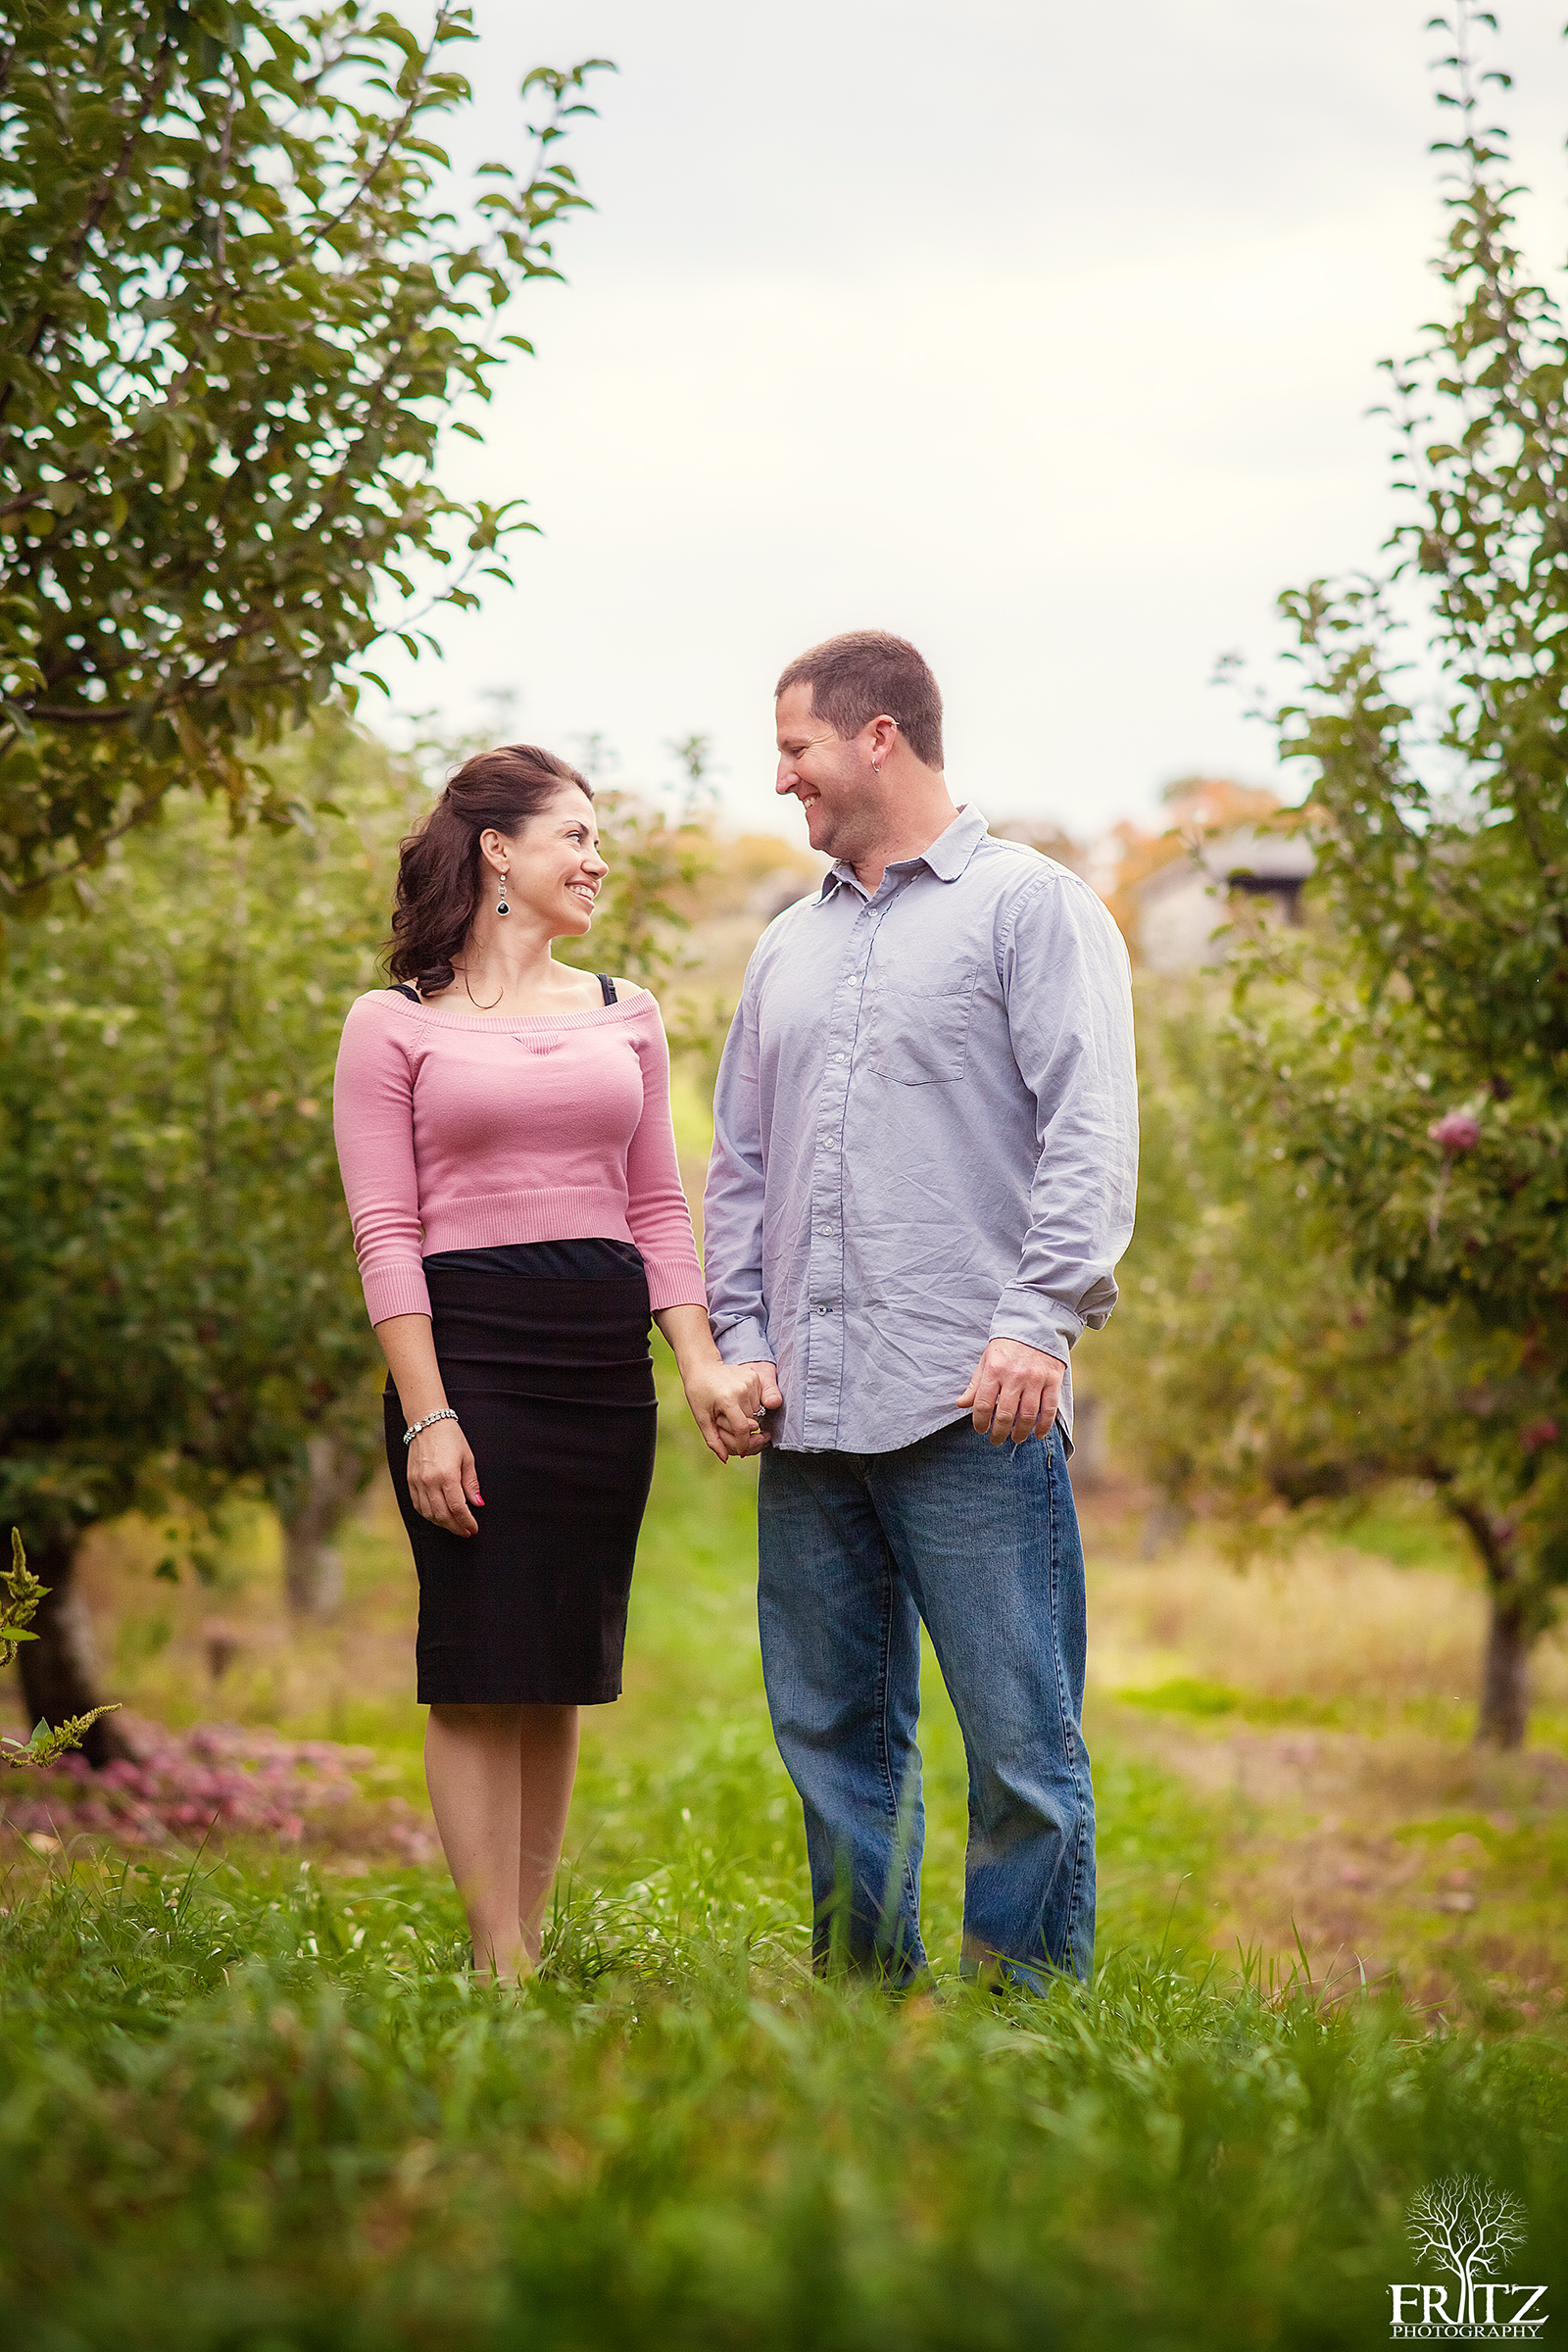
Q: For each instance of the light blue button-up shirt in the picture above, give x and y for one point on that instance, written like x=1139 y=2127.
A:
x=926 y=1137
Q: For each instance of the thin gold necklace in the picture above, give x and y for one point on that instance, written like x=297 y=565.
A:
x=473 y=999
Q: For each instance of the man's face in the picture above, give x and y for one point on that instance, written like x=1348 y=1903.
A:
x=834 y=779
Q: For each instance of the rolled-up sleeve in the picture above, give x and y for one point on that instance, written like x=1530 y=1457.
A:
x=1065 y=974
x=732 y=1203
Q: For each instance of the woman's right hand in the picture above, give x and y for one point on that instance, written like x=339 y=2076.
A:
x=442 y=1478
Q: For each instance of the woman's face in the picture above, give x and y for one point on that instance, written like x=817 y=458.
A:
x=552 y=863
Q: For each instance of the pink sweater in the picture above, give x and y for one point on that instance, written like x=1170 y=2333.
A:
x=456 y=1131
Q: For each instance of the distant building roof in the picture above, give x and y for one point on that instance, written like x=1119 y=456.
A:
x=1182 y=904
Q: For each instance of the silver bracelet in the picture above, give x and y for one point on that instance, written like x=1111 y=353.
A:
x=430 y=1419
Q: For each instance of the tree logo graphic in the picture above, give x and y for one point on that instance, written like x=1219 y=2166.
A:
x=1466 y=2227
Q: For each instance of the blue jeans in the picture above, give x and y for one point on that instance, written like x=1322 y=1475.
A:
x=981 y=1541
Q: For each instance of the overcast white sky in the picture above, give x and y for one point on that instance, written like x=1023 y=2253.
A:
x=1044 y=335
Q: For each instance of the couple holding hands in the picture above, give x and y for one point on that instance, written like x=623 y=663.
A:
x=922 y=1176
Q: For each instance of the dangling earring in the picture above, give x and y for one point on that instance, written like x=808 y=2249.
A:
x=501 y=898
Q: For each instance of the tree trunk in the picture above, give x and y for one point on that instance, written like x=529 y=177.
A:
x=313 y=1565
x=1086 y=1467
x=60 y=1670
x=1505 y=1679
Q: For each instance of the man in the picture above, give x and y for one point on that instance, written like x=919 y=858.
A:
x=922 y=1177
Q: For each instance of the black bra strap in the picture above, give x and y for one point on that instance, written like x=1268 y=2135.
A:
x=606 y=984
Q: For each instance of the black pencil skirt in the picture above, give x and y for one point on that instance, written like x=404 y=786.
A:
x=544 y=1350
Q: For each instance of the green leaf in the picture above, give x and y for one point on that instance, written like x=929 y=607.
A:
x=275 y=421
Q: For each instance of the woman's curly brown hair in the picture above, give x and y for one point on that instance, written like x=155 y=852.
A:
x=438 y=868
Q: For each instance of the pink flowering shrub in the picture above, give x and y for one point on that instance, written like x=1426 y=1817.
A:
x=215 y=1777
x=1455 y=1131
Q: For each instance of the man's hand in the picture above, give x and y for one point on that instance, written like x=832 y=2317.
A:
x=728 y=1401
x=1013 y=1392
x=442 y=1478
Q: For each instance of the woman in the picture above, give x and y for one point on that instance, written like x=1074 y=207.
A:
x=503 y=1127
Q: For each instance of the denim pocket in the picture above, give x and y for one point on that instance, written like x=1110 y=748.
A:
x=919 y=1033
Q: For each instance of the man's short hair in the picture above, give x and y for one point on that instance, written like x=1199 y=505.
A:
x=858 y=677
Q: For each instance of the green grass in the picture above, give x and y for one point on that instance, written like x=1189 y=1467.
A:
x=1186 y=1694
x=246 y=2107
x=1191 y=1694
x=244 y=2110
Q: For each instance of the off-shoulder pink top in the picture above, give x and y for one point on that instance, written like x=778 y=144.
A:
x=457 y=1131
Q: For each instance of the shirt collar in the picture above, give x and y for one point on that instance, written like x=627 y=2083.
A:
x=946 y=857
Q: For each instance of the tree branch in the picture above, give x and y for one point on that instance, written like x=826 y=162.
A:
x=323 y=222
x=99 y=202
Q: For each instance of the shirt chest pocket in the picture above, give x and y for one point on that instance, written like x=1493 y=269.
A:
x=917 y=1029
